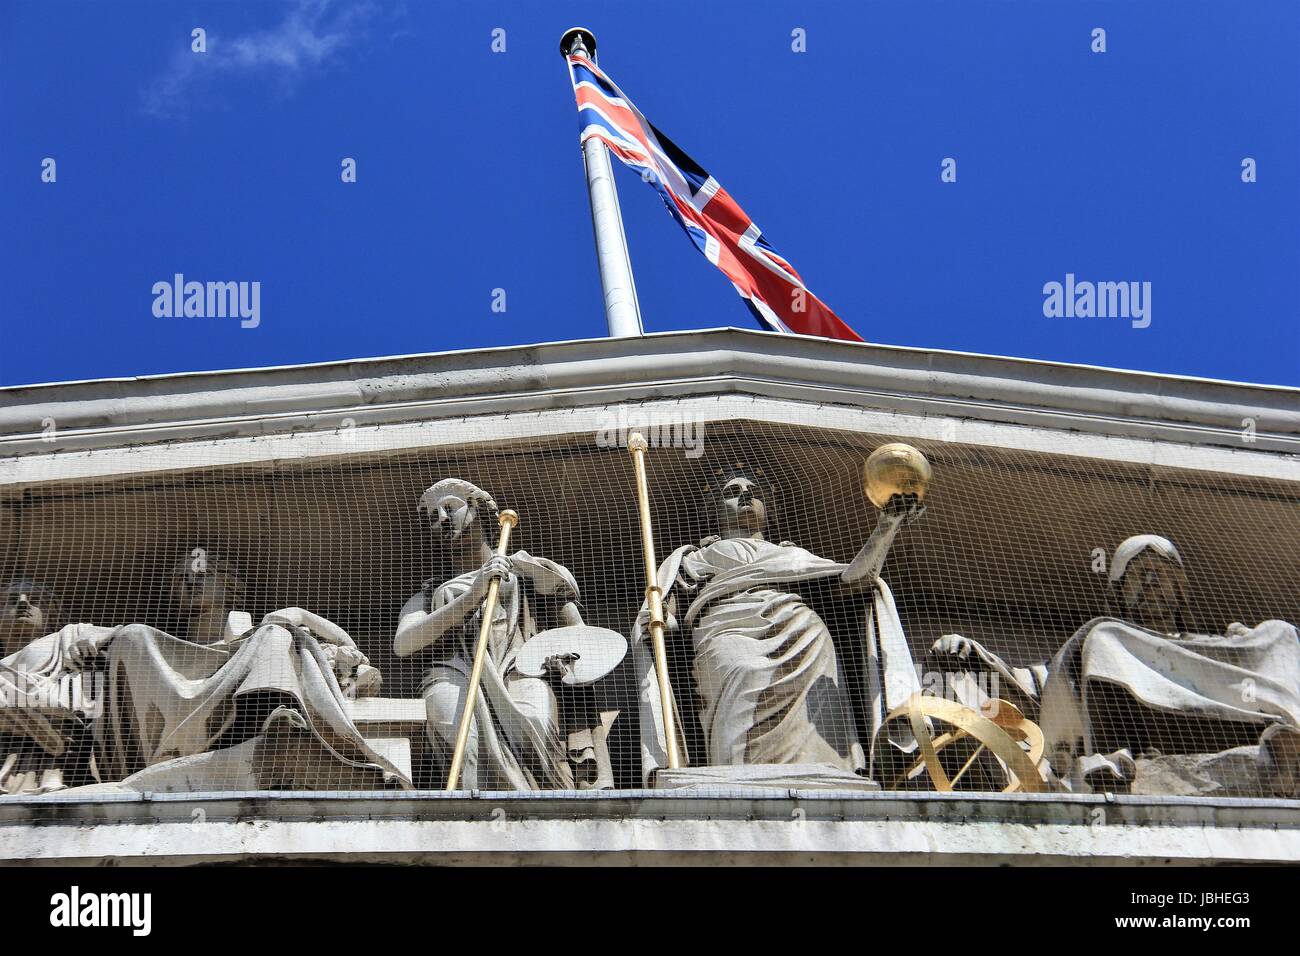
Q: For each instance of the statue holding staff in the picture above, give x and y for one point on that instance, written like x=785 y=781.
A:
x=519 y=737
x=749 y=626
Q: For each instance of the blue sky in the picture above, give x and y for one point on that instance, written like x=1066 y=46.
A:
x=1115 y=166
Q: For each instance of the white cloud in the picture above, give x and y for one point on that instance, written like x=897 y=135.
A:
x=312 y=34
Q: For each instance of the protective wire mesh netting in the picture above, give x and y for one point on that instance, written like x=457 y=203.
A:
x=312 y=625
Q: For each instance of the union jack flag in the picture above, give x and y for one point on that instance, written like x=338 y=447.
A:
x=715 y=222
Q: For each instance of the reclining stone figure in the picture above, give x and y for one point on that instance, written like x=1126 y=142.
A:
x=228 y=706
x=1139 y=700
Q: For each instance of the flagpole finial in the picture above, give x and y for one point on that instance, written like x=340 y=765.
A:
x=578 y=35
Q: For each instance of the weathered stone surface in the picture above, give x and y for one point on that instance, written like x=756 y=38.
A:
x=791 y=776
x=1232 y=773
x=648 y=827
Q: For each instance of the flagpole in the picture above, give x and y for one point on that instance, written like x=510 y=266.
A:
x=622 y=311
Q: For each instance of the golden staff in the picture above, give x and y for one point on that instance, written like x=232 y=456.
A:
x=636 y=444
x=507 y=520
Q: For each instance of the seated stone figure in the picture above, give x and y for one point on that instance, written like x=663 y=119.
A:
x=1139 y=701
x=44 y=743
x=523 y=736
x=228 y=706
x=773 y=652
x=28 y=610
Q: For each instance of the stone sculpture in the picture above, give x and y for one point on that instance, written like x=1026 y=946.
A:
x=43 y=716
x=1140 y=701
x=229 y=706
x=523 y=735
x=762 y=634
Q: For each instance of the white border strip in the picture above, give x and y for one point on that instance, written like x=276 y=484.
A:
x=362 y=441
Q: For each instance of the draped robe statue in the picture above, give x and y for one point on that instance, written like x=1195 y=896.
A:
x=521 y=737
x=270 y=698
x=43 y=717
x=1142 y=683
x=765 y=675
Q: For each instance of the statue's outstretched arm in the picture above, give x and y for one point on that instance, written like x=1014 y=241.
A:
x=865 y=567
x=324 y=629
x=1020 y=684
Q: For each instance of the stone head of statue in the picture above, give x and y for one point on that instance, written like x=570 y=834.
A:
x=452 y=507
x=740 y=503
x=28 y=610
x=1150 y=583
x=205 y=582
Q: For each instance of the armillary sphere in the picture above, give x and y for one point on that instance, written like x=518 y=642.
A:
x=1005 y=732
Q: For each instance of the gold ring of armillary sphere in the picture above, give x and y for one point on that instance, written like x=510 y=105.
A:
x=1006 y=733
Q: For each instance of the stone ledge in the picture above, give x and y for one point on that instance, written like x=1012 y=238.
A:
x=260 y=402
x=648 y=827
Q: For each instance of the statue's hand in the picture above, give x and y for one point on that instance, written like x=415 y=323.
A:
x=352 y=669
x=367 y=681
x=498 y=568
x=560 y=665
x=348 y=659
x=954 y=645
x=643 y=621
x=80 y=643
x=905 y=507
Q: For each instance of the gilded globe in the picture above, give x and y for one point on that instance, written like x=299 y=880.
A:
x=895 y=469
